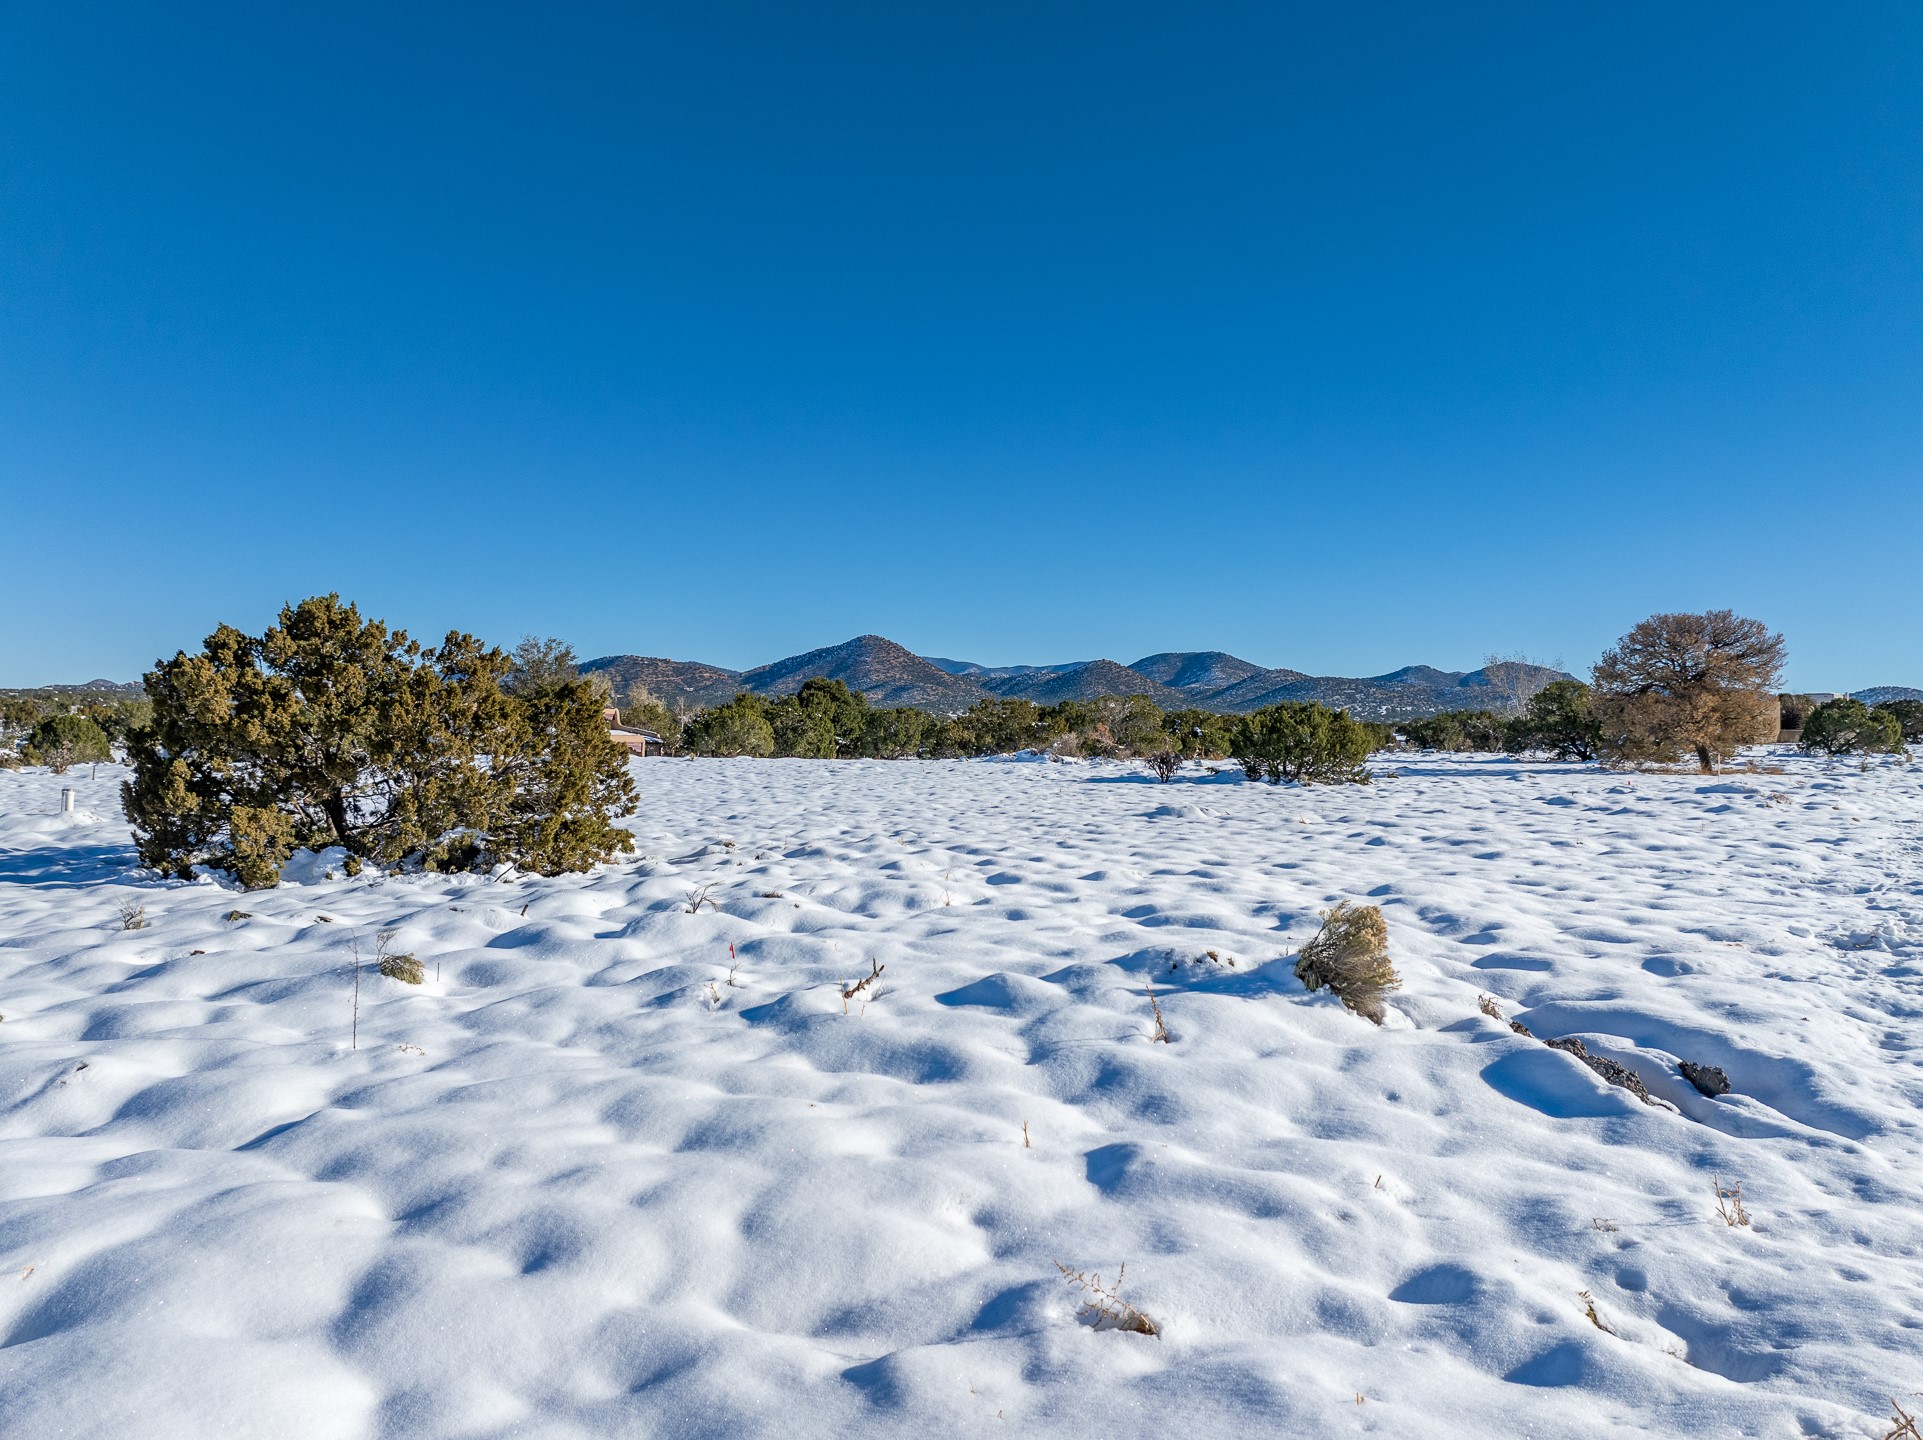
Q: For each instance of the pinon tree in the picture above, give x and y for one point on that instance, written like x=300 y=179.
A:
x=61 y=741
x=1682 y=684
x=328 y=729
x=1304 y=742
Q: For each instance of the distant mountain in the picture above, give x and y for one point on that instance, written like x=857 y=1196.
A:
x=889 y=674
x=1883 y=694
x=882 y=670
x=1088 y=681
x=969 y=667
x=1196 y=669
x=1400 y=695
x=99 y=689
x=1426 y=675
x=684 y=683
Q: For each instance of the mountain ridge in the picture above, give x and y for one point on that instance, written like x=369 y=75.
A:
x=890 y=674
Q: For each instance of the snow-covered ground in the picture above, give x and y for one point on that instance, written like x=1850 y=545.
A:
x=628 y=1166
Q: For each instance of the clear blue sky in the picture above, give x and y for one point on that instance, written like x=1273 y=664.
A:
x=1341 y=337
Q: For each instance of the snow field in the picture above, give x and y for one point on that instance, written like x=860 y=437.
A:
x=578 y=1183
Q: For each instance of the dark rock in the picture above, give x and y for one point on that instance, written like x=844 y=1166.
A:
x=1609 y=1070
x=1706 y=1078
x=1522 y=1029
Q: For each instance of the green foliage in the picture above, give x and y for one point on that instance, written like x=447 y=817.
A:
x=1909 y=717
x=822 y=720
x=331 y=730
x=738 y=728
x=1846 y=727
x=1304 y=742
x=1481 y=731
x=643 y=712
x=1559 y=720
x=119 y=719
x=539 y=663
x=1001 y=727
x=64 y=740
x=1201 y=734
x=895 y=734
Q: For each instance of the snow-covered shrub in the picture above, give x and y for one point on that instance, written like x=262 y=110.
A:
x=329 y=730
x=1849 y=727
x=1350 y=955
x=1304 y=742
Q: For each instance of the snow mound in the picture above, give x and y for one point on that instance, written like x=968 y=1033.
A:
x=804 y=1160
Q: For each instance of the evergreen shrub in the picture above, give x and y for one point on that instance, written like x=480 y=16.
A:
x=328 y=729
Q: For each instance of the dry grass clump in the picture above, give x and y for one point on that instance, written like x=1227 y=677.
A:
x=1103 y=1307
x=1904 y=1425
x=1729 y=1203
x=133 y=915
x=404 y=968
x=1350 y=955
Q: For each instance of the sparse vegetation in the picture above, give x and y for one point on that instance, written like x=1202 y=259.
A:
x=133 y=915
x=1103 y=1306
x=1164 y=764
x=1350 y=955
x=1155 y=1008
x=404 y=968
x=1729 y=1203
x=849 y=992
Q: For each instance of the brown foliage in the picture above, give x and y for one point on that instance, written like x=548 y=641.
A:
x=1679 y=684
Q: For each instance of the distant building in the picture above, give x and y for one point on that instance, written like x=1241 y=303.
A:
x=639 y=742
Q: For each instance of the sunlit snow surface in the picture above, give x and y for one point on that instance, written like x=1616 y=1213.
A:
x=580 y=1184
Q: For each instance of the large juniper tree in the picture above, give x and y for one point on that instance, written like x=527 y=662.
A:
x=329 y=729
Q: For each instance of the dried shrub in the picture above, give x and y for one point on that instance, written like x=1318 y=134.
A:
x=404 y=968
x=1103 y=1307
x=1164 y=763
x=1350 y=955
x=133 y=915
x=1729 y=1203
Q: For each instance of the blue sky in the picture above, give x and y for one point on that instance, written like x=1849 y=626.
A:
x=1341 y=337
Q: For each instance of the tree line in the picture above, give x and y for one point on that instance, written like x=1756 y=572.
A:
x=329 y=729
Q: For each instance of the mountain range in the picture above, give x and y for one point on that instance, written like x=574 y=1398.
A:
x=891 y=674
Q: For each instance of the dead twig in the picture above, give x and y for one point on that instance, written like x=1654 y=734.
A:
x=849 y=992
x=1103 y=1307
x=1904 y=1425
x=1729 y=1203
x=1161 y=1030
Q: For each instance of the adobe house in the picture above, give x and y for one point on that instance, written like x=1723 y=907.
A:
x=638 y=742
